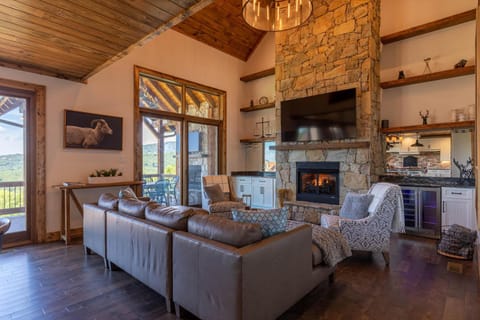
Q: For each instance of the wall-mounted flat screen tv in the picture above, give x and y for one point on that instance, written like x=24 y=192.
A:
x=329 y=116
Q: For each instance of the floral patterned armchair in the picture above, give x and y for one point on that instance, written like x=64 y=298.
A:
x=373 y=232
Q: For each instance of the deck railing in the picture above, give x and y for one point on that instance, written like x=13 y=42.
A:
x=12 y=197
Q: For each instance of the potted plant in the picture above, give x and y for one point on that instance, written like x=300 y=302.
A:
x=105 y=176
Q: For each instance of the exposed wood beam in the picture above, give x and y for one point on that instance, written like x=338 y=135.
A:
x=158 y=93
x=11 y=123
x=258 y=75
x=174 y=21
x=193 y=97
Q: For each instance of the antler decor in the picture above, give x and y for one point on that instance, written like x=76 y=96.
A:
x=424 y=116
x=466 y=170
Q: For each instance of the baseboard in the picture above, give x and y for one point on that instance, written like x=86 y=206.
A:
x=76 y=233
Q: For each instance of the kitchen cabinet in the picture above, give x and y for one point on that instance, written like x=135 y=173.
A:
x=261 y=189
x=422 y=210
x=458 y=207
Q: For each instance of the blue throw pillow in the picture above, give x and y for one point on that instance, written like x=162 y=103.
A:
x=355 y=205
x=271 y=221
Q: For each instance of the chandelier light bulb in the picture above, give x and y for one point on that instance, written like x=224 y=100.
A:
x=276 y=15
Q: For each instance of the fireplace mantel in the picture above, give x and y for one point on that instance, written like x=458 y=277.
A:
x=324 y=145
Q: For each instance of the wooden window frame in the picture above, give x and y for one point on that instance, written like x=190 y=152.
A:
x=184 y=118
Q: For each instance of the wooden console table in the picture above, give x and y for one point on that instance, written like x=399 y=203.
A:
x=68 y=193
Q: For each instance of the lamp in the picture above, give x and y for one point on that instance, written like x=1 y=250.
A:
x=417 y=143
x=276 y=15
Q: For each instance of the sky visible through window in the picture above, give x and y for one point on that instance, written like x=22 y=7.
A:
x=11 y=137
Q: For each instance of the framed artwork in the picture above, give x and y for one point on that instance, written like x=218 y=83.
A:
x=92 y=131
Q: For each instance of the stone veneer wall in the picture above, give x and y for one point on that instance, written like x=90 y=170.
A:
x=338 y=49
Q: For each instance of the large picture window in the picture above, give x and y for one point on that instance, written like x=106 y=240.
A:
x=179 y=134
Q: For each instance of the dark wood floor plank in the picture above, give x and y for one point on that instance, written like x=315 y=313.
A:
x=54 y=281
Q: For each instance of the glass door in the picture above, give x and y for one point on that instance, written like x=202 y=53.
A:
x=202 y=158
x=13 y=177
x=410 y=207
x=161 y=145
x=429 y=208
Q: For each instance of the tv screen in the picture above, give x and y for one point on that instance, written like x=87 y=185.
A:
x=329 y=116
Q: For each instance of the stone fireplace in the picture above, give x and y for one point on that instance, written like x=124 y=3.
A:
x=338 y=49
x=318 y=182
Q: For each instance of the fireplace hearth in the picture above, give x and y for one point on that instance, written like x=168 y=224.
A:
x=318 y=182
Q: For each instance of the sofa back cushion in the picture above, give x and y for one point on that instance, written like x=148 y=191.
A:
x=133 y=207
x=224 y=230
x=174 y=217
x=108 y=201
x=272 y=221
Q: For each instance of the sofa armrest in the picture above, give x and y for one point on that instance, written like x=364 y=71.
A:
x=94 y=229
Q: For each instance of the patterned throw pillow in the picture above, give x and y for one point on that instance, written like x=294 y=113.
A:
x=271 y=221
x=127 y=193
x=355 y=205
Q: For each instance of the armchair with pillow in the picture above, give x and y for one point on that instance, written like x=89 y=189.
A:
x=217 y=196
x=366 y=221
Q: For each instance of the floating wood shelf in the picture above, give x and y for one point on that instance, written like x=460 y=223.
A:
x=429 y=27
x=458 y=72
x=433 y=126
x=324 y=145
x=258 y=107
x=258 y=75
x=257 y=140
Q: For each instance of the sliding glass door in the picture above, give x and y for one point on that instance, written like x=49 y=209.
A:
x=202 y=158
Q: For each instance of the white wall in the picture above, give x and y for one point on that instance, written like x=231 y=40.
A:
x=446 y=47
x=111 y=92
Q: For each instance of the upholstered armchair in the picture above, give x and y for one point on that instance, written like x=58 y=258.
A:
x=385 y=214
x=220 y=200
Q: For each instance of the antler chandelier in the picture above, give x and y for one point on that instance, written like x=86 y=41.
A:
x=276 y=15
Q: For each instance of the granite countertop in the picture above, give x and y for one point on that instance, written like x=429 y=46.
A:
x=265 y=174
x=428 y=181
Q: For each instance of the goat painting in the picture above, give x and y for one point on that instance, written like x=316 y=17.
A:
x=92 y=131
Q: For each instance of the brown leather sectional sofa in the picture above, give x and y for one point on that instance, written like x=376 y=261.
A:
x=213 y=267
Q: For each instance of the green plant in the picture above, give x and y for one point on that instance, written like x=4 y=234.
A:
x=112 y=172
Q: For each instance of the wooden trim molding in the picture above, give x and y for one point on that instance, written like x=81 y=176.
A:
x=430 y=26
x=258 y=75
x=37 y=191
x=324 y=145
x=427 y=127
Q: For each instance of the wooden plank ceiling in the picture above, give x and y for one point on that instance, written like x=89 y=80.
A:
x=74 y=39
x=221 y=26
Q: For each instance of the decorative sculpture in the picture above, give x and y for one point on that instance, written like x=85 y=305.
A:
x=427 y=65
x=460 y=64
x=401 y=75
x=424 y=116
x=466 y=170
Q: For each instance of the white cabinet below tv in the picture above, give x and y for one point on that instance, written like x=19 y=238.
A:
x=260 y=189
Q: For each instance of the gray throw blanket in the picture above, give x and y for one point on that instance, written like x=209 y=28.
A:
x=331 y=243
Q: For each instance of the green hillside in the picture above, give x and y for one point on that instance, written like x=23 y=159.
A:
x=11 y=167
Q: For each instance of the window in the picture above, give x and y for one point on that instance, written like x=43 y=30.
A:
x=180 y=136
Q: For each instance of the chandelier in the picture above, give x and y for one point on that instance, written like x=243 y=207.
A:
x=276 y=15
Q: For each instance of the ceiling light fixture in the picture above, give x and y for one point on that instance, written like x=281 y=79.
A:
x=417 y=143
x=276 y=15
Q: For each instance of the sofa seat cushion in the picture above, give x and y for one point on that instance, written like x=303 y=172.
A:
x=133 y=207
x=174 y=217
x=223 y=206
x=272 y=221
x=224 y=230
x=108 y=201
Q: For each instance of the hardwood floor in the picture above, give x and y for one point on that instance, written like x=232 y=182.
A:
x=53 y=281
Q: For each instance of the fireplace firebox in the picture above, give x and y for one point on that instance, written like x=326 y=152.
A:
x=318 y=182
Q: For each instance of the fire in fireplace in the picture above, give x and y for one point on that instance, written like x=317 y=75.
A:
x=318 y=182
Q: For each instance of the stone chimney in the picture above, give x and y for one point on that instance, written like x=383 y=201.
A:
x=339 y=48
